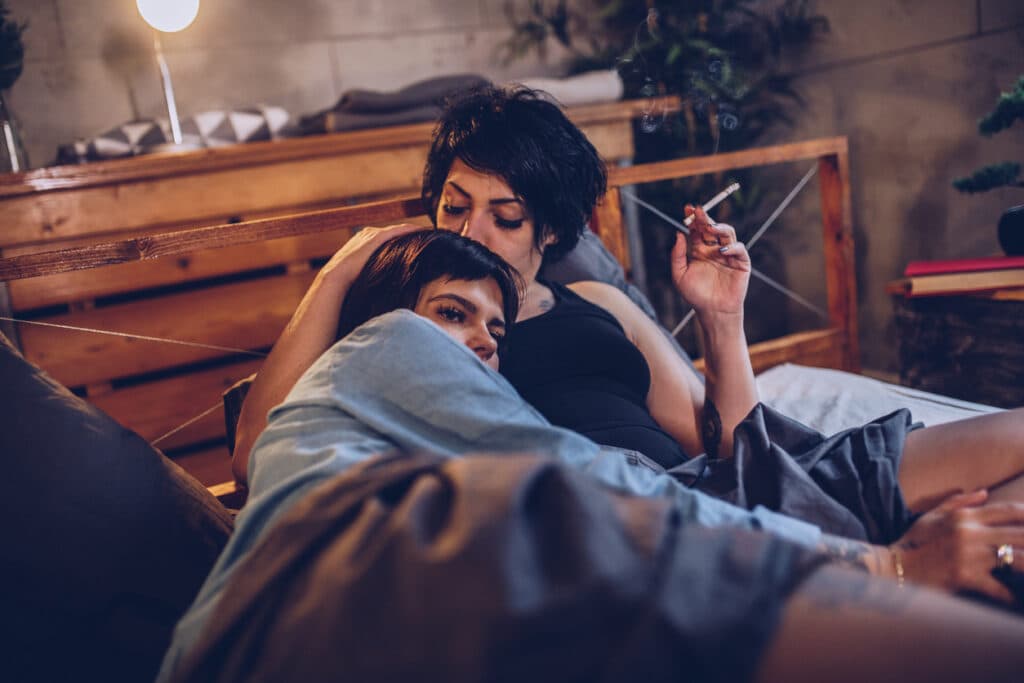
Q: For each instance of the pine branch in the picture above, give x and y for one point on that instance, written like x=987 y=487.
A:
x=990 y=177
x=12 y=50
x=1009 y=108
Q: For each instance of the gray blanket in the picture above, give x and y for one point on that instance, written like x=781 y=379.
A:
x=494 y=568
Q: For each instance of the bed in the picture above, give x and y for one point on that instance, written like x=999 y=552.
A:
x=246 y=276
x=811 y=375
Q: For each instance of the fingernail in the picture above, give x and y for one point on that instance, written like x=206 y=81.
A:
x=723 y=250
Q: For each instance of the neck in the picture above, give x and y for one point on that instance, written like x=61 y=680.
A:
x=538 y=299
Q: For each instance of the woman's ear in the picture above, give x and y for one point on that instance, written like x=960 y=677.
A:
x=549 y=239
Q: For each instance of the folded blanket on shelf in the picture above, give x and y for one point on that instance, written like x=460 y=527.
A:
x=421 y=93
x=359 y=108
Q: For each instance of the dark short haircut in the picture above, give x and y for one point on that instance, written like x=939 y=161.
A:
x=399 y=269
x=529 y=143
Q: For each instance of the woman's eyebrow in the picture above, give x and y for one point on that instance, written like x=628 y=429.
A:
x=500 y=200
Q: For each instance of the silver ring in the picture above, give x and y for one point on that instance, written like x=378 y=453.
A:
x=1004 y=555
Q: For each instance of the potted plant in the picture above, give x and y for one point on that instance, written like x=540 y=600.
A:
x=723 y=59
x=12 y=56
x=1009 y=108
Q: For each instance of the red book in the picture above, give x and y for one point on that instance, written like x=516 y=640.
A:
x=967 y=265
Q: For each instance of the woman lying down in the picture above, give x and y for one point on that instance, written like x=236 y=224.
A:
x=411 y=516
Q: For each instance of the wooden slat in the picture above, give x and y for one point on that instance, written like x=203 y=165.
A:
x=241 y=315
x=161 y=166
x=1007 y=295
x=607 y=223
x=211 y=466
x=757 y=156
x=155 y=408
x=175 y=243
x=837 y=243
x=229 y=494
x=180 y=199
x=822 y=348
x=255 y=153
x=186 y=241
x=224 y=488
x=60 y=215
x=49 y=290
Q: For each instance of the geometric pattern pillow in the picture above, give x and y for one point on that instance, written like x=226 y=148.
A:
x=216 y=128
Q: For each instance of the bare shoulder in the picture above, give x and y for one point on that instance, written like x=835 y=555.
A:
x=604 y=295
x=615 y=301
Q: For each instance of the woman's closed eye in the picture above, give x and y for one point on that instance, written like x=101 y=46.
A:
x=453 y=210
x=451 y=314
x=507 y=223
x=499 y=220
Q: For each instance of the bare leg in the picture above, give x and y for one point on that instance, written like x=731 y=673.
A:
x=979 y=452
x=1009 y=492
x=842 y=625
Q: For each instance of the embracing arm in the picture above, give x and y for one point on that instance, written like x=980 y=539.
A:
x=308 y=334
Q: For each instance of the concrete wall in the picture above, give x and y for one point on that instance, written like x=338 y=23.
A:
x=89 y=63
x=906 y=82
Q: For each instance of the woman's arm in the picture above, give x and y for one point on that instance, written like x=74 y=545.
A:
x=308 y=334
x=951 y=548
x=711 y=270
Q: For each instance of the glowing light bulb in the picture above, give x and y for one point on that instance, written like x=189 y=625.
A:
x=168 y=15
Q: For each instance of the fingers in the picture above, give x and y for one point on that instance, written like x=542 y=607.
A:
x=976 y=573
x=353 y=254
x=736 y=254
x=999 y=514
x=706 y=231
x=679 y=258
x=726 y=233
x=962 y=500
x=992 y=587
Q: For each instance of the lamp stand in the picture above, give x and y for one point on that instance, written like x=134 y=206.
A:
x=176 y=144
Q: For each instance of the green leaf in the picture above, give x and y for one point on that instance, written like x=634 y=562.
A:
x=12 y=50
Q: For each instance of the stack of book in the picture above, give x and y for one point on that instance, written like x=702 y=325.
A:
x=960 y=276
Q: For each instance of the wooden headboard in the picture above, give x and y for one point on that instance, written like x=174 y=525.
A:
x=235 y=285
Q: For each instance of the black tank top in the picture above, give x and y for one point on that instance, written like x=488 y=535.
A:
x=576 y=366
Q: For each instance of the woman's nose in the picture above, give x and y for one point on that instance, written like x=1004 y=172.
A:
x=483 y=344
x=474 y=228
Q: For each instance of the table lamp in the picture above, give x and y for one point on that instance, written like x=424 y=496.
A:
x=168 y=16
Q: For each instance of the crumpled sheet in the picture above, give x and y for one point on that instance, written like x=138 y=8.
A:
x=846 y=484
x=496 y=568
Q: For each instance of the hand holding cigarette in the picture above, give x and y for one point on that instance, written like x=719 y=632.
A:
x=710 y=267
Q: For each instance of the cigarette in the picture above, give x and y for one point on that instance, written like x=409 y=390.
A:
x=714 y=201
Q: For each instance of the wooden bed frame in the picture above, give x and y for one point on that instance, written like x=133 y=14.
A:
x=242 y=280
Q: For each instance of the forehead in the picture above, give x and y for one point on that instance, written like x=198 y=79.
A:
x=478 y=183
x=484 y=294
